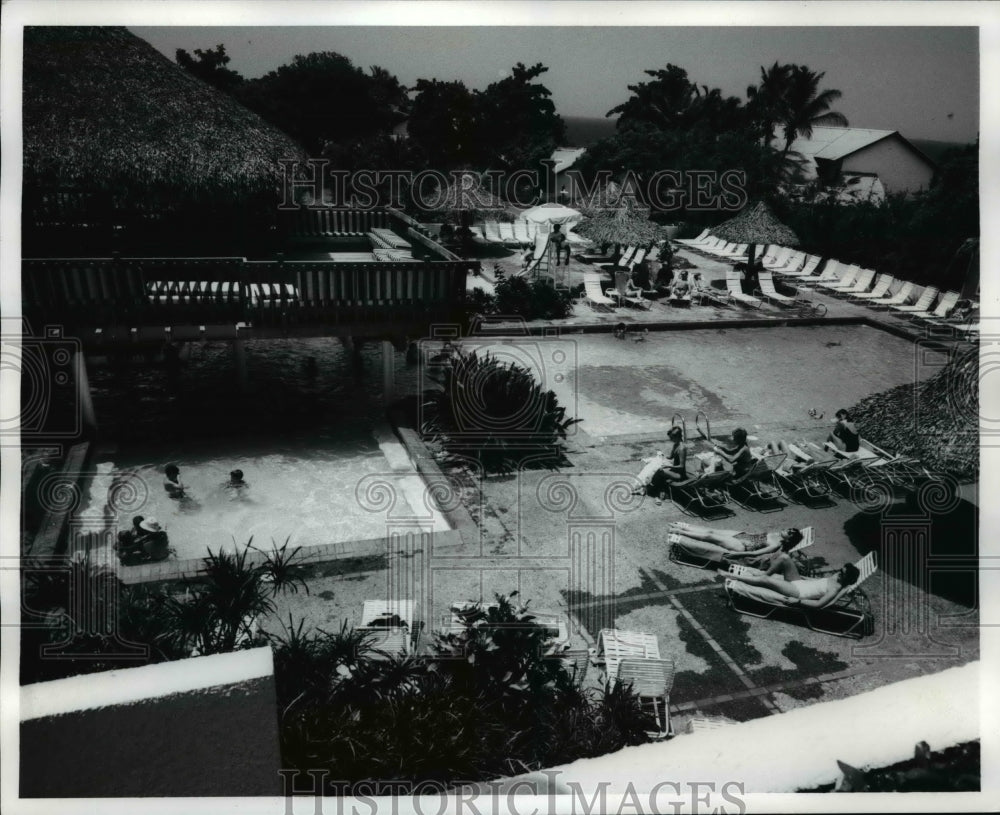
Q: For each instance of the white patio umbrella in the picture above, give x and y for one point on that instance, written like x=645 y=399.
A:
x=551 y=214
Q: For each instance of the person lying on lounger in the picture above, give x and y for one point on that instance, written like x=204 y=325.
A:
x=794 y=460
x=734 y=543
x=811 y=592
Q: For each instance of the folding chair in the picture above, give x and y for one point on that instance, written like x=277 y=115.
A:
x=615 y=645
x=651 y=680
x=704 y=491
x=390 y=626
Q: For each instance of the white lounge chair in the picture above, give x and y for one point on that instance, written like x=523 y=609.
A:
x=922 y=305
x=882 y=286
x=734 y=285
x=861 y=283
x=897 y=299
x=768 y=292
x=790 y=263
x=845 y=281
x=693 y=241
x=615 y=645
x=592 y=291
x=944 y=307
x=831 y=272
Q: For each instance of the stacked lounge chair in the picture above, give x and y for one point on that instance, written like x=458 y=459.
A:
x=734 y=285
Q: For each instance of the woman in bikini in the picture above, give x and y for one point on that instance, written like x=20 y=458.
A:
x=734 y=543
x=739 y=455
x=845 y=437
x=811 y=592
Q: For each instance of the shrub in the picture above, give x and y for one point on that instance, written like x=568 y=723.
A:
x=533 y=300
x=495 y=413
x=488 y=702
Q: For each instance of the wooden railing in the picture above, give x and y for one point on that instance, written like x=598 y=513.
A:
x=94 y=292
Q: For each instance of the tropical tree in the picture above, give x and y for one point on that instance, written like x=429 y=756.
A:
x=806 y=106
x=494 y=413
x=442 y=124
x=210 y=65
x=766 y=101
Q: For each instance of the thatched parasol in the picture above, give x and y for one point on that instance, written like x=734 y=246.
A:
x=937 y=420
x=757 y=226
x=104 y=110
x=465 y=199
x=623 y=226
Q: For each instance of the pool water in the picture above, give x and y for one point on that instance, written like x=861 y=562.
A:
x=302 y=433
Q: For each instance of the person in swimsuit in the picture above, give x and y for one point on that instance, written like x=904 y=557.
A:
x=734 y=543
x=172 y=483
x=739 y=455
x=810 y=592
x=845 y=437
x=675 y=469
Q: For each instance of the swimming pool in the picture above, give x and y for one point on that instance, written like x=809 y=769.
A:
x=302 y=433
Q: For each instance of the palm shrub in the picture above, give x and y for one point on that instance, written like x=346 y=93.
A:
x=531 y=299
x=495 y=413
x=489 y=701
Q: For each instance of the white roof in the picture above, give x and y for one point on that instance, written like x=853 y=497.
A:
x=837 y=142
x=565 y=157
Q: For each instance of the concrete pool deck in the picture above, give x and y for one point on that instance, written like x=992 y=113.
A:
x=529 y=527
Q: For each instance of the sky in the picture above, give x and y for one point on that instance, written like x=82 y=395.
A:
x=922 y=81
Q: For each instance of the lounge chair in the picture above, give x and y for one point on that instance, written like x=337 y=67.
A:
x=897 y=299
x=507 y=234
x=758 y=482
x=693 y=241
x=390 y=626
x=846 y=280
x=849 y=615
x=651 y=680
x=768 y=292
x=921 y=306
x=491 y=231
x=806 y=483
x=738 y=252
x=690 y=553
x=572 y=239
x=592 y=291
x=789 y=264
x=944 y=307
x=615 y=645
x=622 y=259
x=861 y=283
x=624 y=291
x=703 y=293
x=832 y=270
x=521 y=232
x=882 y=285
x=704 y=491
x=597 y=257
x=733 y=284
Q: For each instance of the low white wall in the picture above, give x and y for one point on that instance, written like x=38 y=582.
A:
x=794 y=750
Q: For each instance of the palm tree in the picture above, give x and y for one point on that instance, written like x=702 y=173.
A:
x=766 y=101
x=806 y=106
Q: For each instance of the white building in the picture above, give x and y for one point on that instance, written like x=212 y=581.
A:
x=862 y=162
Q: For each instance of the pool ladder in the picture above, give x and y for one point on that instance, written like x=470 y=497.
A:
x=707 y=433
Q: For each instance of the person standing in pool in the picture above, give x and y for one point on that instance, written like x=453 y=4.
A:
x=236 y=485
x=172 y=483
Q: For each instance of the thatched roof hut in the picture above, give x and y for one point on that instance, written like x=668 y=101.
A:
x=104 y=110
x=937 y=420
x=622 y=226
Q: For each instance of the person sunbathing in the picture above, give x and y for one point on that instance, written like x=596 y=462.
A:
x=810 y=592
x=734 y=543
x=739 y=455
x=662 y=468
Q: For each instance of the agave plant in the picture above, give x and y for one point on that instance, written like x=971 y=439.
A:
x=496 y=413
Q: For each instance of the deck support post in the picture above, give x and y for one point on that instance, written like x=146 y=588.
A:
x=388 y=370
x=83 y=394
